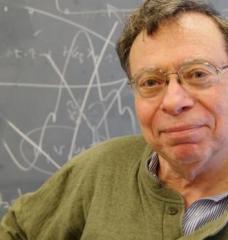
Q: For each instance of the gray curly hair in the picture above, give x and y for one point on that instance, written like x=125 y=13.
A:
x=150 y=15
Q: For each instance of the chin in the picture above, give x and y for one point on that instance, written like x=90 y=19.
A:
x=187 y=152
x=188 y=162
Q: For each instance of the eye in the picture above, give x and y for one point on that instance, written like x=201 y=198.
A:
x=199 y=74
x=150 y=82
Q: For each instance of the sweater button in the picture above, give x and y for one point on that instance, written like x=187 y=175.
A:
x=172 y=211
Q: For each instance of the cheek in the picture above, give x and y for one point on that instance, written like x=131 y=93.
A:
x=146 y=112
x=221 y=116
x=217 y=105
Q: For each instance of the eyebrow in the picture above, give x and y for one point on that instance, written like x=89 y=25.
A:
x=178 y=66
x=144 y=70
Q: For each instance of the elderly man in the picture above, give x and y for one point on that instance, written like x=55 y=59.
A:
x=173 y=185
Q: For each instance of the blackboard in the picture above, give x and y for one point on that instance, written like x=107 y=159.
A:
x=61 y=86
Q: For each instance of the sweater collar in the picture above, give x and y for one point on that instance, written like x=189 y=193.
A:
x=152 y=183
x=153 y=164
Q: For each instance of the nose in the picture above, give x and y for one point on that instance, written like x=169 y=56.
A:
x=176 y=99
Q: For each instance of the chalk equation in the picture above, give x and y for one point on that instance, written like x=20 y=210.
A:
x=6 y=204
x=61 y=87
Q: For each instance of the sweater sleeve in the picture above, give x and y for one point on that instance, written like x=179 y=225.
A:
x=60 y=209
x=9 y=229
x=56 y=211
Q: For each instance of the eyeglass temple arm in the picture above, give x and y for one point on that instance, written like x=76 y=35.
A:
x=223 y=68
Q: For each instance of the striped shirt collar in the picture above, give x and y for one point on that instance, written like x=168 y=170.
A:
x=153 y=164
x=199 y=212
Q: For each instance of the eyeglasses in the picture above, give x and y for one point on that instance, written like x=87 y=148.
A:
x=195 y=75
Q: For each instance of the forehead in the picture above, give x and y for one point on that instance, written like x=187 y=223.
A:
x=191 y=36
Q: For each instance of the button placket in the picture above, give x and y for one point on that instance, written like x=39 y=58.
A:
x=172 y=210
x=172 y=221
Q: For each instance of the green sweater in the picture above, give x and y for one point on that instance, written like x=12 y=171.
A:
x=105 y=193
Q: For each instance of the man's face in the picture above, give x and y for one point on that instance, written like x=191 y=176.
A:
x=189 y=129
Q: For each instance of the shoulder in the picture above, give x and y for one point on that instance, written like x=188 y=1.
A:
x=113 y=157
x=74 y=185
x=108 y=156
x=111 y=152
x=89 y=168
x=93 y=165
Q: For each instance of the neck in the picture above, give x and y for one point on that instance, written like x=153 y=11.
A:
x=196 y=183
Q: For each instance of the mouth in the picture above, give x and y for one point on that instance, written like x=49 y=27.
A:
x=182 y=128
x=185 y=134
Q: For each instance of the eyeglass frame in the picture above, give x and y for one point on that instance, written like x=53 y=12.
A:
x=218 y=70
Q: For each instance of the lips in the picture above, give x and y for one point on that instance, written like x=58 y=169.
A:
x=180 y=128
x=184 y=134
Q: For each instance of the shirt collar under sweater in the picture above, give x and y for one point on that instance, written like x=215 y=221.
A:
x=206 y=209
